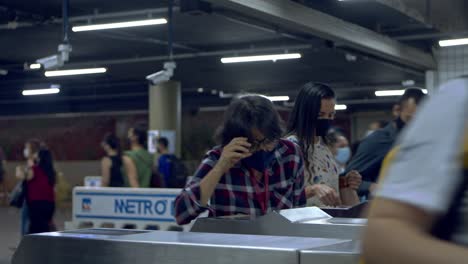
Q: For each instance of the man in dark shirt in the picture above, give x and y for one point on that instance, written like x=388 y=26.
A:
x=373 y=149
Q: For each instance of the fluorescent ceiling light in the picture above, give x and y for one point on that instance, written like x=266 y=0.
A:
x=262 y=58
x=393 y=92
x=453 y=42
x=341 y=107
x=74 y=72
x=52 y=90
x=35 y=66
x=138 y=23
x=277 y=98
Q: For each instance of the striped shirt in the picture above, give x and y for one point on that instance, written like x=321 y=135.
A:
x=238 y=192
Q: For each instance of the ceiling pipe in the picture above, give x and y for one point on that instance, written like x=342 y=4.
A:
x=170 y=31
x=193 y=55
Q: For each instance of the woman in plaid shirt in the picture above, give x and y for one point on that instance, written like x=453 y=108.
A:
x=252 y=172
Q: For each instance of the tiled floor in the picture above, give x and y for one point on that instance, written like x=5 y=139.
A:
x=10 y=233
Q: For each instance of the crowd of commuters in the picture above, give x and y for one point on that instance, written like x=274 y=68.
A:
x=261 y=165
x=257 y=167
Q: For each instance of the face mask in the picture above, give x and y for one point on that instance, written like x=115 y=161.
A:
x=26 y=153
x=343 y=155
x=259 y=160
x=323 y=125
x=400 y=124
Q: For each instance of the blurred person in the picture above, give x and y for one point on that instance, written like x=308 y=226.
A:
x=30 y=151
x=252 y=172
x=339 y=147
x=40 y=179
x=138 y=162
x=111 y=164
x=420 y=210
x=372 y=150
x=396 y=109
x=171 y=168
x=374 y=126
x=309 y=123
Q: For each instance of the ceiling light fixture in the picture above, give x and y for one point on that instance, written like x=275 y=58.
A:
x=277 y=98
x=54 y=89
x=339 y=107
x=453 y=42
x=273 y=57
x=394 y=92
x=74 y=72
x=35 y=66
x=138 y=23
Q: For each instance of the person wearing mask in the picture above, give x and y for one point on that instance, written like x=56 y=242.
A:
x=252 y=172
x=372 y=150
x=40 y=178
x=138 y=162
x=339 y=146
x=309 y=123
x=111 y=164
x=419 y=212
x=31 y=148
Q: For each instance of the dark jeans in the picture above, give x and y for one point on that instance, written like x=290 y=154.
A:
x=40 y=216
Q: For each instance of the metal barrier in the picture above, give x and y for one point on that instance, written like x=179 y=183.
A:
x=131 y=208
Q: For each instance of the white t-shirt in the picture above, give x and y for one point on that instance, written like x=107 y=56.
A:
x=427 y=170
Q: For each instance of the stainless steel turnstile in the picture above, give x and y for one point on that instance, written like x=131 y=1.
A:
x=301 y=222
x=113 y=246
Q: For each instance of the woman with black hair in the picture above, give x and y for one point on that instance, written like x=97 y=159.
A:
x=309 y=124
x=111 y=164
x=252 y=172
x=40 y=176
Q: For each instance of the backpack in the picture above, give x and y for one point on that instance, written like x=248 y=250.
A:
x=179 y=173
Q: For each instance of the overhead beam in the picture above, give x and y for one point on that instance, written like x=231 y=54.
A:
x=403 y=8
x=293 y=16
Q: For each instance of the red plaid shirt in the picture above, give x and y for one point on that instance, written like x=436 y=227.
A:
x=238 y=192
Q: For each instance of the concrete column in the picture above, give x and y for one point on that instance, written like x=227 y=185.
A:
x=431 y=82
x=165 y=110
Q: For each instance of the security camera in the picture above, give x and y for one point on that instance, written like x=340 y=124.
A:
x=53 y=61
x=56 y=61
x=164 y=75
x=159 y=77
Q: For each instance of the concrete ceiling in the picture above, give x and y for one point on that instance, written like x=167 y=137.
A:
x=201 y=40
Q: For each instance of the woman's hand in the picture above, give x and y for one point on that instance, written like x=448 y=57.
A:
x=233 y=152
x=353 y=179
x=327 y=195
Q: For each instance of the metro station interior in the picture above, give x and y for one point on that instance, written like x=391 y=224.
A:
x=276 y=131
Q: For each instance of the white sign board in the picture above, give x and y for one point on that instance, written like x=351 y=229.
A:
x=141 y=206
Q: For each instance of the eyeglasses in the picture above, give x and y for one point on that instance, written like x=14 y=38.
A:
x=258 y=144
